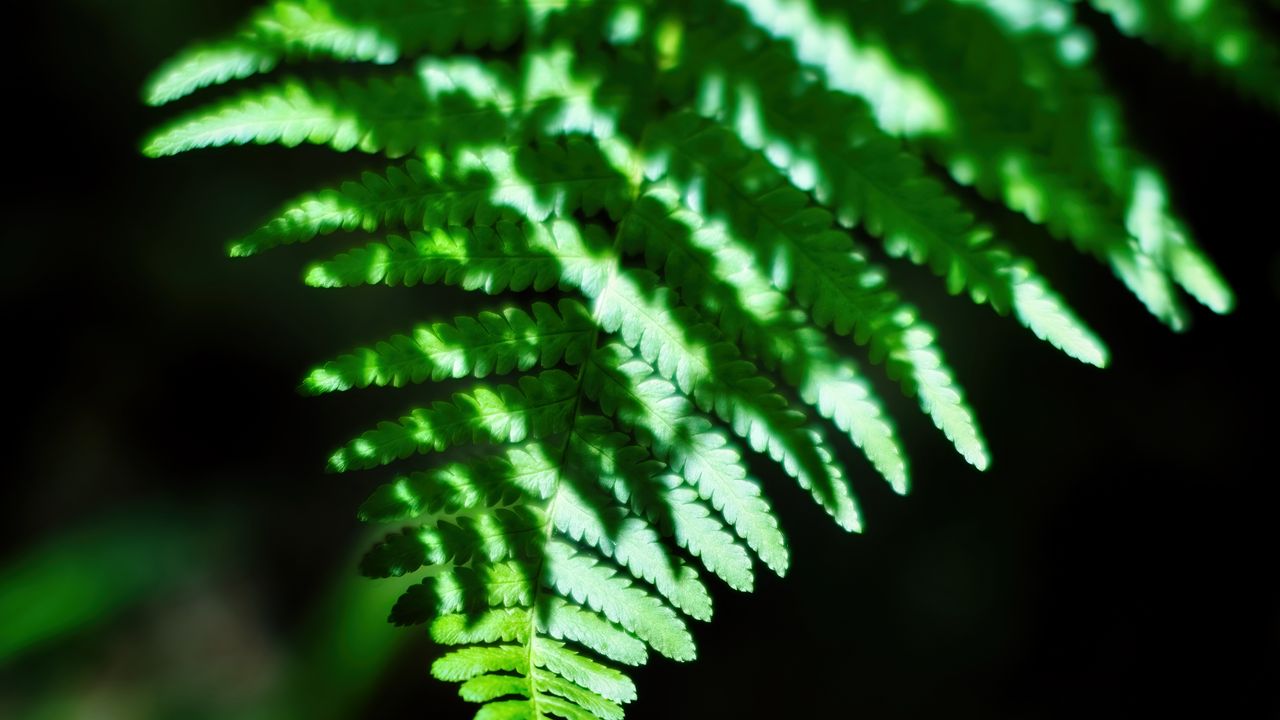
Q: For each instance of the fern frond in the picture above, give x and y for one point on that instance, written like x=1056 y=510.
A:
x=380 y=116
x=682 y=186
x=718 y=276
x=446 y=104
x=497 y=258
x=869 y=180
x=379 y=31
x=557 y=177
x=205 y=65
x=489 y=343
x=537 y=407
x=565 y=621
x=1030 y=151
x=524 y=544
x=486 y=481
x=597 y=586
x=711 y=371
x=664 y=420
x=1221 y=36
x=584 y=671
x=644 y=484
x=631 y=542
x=805 y=255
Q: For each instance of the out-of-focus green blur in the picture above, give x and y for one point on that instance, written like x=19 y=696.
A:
x=133 y=616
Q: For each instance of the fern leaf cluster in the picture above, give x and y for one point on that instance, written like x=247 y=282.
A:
x=681 y=207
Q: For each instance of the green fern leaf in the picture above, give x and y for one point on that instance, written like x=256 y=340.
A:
x=490 y=343
x=538 y=407
x=556 y=178
x=644 y=484
x=446 y=104
x=1023 y=160
x=716 y=274
x=1221 y=36
x=820 y=266
x=379 y=31
x=565 y=621
x=869 y=180
x=600 y=588
x=504 y=256
x=710 y=370
x=684 y=188
x=664 y=420
x=632 y=543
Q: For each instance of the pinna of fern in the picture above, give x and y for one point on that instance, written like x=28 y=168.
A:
x=679 y=194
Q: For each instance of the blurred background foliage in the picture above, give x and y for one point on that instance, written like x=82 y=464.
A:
x=171 y=548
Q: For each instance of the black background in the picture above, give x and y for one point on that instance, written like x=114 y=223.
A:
x=1116 y=560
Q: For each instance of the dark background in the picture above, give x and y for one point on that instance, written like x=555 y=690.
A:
x=1116 y=561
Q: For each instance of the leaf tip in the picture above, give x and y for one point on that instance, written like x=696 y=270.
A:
x=318 y=276
x=338 y=462
x=240 y=249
